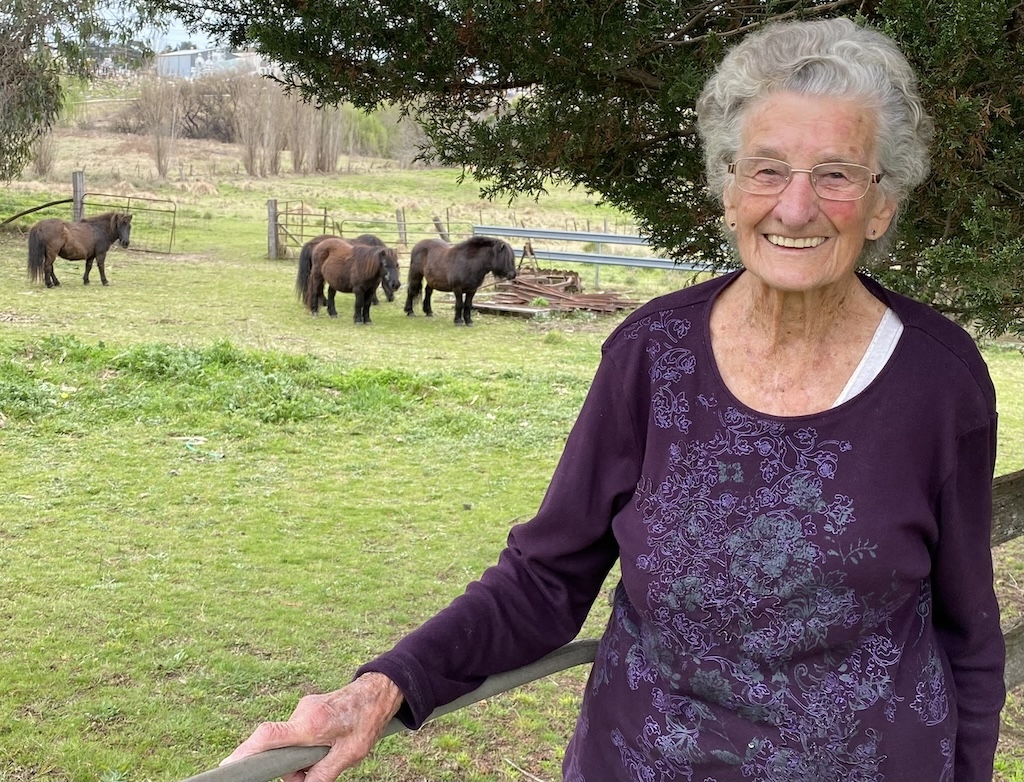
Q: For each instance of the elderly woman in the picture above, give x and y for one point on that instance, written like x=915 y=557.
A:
x=790 y=464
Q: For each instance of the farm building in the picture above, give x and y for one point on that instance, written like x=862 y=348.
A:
x=193 y=63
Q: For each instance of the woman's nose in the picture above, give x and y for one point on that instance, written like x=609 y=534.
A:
x=798 y=203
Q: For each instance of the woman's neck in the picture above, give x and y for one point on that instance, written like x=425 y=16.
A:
x=785 y=320
x=791 y=354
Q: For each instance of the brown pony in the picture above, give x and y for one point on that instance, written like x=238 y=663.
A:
x=306 y=262
x=351 y=268
x=86 y=240
x=459 y=268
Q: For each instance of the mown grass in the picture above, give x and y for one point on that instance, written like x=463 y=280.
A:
x=194 y=536
x=214 y=503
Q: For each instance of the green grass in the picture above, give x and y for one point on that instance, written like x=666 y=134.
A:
x=214 y=503
x=195 y=536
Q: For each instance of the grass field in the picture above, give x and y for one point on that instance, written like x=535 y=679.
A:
x=214 y=503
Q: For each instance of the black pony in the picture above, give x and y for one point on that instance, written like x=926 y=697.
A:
x=351 y=268
x=86 y=240
x=459 y=268
x=306 y=262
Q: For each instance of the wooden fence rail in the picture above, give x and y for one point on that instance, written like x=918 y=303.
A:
x=1007 y=522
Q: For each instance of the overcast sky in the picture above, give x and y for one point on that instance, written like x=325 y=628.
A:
x=176 y=34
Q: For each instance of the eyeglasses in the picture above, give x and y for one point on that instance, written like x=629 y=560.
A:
x=831 y=181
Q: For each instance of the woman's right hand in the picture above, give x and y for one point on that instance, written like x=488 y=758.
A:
x=349 y=721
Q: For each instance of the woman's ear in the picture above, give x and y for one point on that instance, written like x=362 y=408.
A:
x=729 y=201
x=878 y=223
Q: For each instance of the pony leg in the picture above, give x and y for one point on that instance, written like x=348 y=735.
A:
x=314 y=288
x=458 y=308
x=88 y=268
x=101 y=264
x=331 y=309
x=427 y=310
x=48 y=273
x=369 y=299
x=362 y=308
x=467 y=308
x=412 y=293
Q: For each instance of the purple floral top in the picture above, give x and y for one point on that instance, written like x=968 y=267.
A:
x=802 y=599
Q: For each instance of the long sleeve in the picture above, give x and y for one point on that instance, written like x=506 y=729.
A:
x=538 y=595
x=966 y=612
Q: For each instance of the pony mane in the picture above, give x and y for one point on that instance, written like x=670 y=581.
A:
x=100 y=218
x=367 y=260
x=476 y=242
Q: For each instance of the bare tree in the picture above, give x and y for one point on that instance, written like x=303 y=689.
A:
x=248 y=91
x=44 y=154
x=262 y=121
x=301 y=128
x=159 y=106
x=328 y=140
x=406 y=139
x=277 y=125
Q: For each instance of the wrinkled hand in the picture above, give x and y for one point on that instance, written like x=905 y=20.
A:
x=349 y=721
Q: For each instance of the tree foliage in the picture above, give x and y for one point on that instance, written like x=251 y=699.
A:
x=600 y=95
x=41 y=41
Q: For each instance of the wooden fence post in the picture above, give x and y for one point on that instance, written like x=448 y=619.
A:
x=272 y=248
x=442 y=232
x=77 y=195
x=400 y=220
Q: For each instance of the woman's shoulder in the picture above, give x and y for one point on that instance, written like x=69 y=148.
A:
x=937 y=339
x=682 y=304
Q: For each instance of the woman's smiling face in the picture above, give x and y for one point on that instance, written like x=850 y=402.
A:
x=796 y=241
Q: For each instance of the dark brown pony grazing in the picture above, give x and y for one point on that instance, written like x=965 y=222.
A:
x=306 y=262
x=86 y=240
x=459 y=268
x=351 y=268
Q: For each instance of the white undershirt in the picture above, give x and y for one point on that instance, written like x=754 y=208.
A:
x=883 y=343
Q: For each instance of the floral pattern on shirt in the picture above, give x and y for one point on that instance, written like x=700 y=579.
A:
x=749 y=611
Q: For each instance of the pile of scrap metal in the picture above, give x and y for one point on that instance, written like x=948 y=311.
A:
x=546 y=290
x=535 y=291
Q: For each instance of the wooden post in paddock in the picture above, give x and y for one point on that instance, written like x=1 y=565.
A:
x=403 y=238
x=77 y=195
x=273 y=249
x=442 y=232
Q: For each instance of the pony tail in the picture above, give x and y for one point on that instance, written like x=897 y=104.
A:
x=311 y=296
x=304 y=266
x=36 y=256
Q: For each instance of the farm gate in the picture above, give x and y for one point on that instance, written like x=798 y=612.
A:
x=290 y=224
